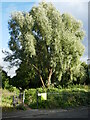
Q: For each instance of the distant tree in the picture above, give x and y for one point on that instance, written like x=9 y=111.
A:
x=84 y=76
x=0 y=77
x=80 y=74
x=5 y=79
x=47 y=41
x=25 y=78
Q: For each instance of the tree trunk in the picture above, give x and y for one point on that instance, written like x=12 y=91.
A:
x=49 y=77
x=39 y=75
x=42 y=81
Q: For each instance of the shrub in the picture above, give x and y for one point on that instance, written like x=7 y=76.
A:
x=21 y=107
x=7 y=98
x=58 y=98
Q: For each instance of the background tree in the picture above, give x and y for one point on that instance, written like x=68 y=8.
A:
x=47 y=41
x=83 y=77
x=5 y=79
x=25 y=78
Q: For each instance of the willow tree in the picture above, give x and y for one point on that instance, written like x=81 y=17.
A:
x=46 y=40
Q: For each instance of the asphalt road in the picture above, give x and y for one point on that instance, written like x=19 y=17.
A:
x=81 y=112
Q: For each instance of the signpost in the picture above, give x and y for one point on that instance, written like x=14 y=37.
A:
x=42 y=95
x=23 y=97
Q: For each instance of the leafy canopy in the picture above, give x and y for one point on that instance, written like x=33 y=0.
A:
x=45 y=39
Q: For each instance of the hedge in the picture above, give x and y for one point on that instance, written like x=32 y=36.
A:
x=58 y=98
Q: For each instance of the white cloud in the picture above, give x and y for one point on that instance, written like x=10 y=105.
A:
x=84 y=59
x=78 y=9
x=10 y=72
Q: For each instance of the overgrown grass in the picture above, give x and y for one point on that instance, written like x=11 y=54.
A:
x=21 y=107
x=72 y=96
x=7 y=99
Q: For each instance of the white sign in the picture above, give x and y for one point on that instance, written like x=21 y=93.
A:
x=39 y=94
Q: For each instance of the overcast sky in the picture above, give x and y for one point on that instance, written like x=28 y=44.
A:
x=78 y=8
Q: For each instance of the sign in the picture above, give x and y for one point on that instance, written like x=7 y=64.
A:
x=39 y=94
x=43 y=96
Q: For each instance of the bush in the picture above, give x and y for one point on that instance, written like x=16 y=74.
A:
x=59 y=98
x=7 y=98
x=21 y=107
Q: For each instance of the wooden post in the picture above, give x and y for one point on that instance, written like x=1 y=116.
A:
x=17 y=99
x=13 y=101
x=23 y=97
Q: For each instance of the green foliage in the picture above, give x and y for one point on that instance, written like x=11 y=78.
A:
x=81 y=75
x=5 y=79
x=21 y=107
x=7 y=100
x=59 y=98
x=7 y=97
x=77 y=75
x=6 y=82
x=25 y=78
x=45 y=42
x=30 y=96
x=77 y=95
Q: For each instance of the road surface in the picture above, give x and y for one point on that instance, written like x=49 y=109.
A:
x=81 y=112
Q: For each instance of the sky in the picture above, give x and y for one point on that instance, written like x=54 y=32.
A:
x=77 y=8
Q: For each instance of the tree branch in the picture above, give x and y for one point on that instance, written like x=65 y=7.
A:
x=39 y=75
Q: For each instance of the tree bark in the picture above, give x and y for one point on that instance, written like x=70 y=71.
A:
x=39 y=75
x=42 y=81
x=49 y=77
